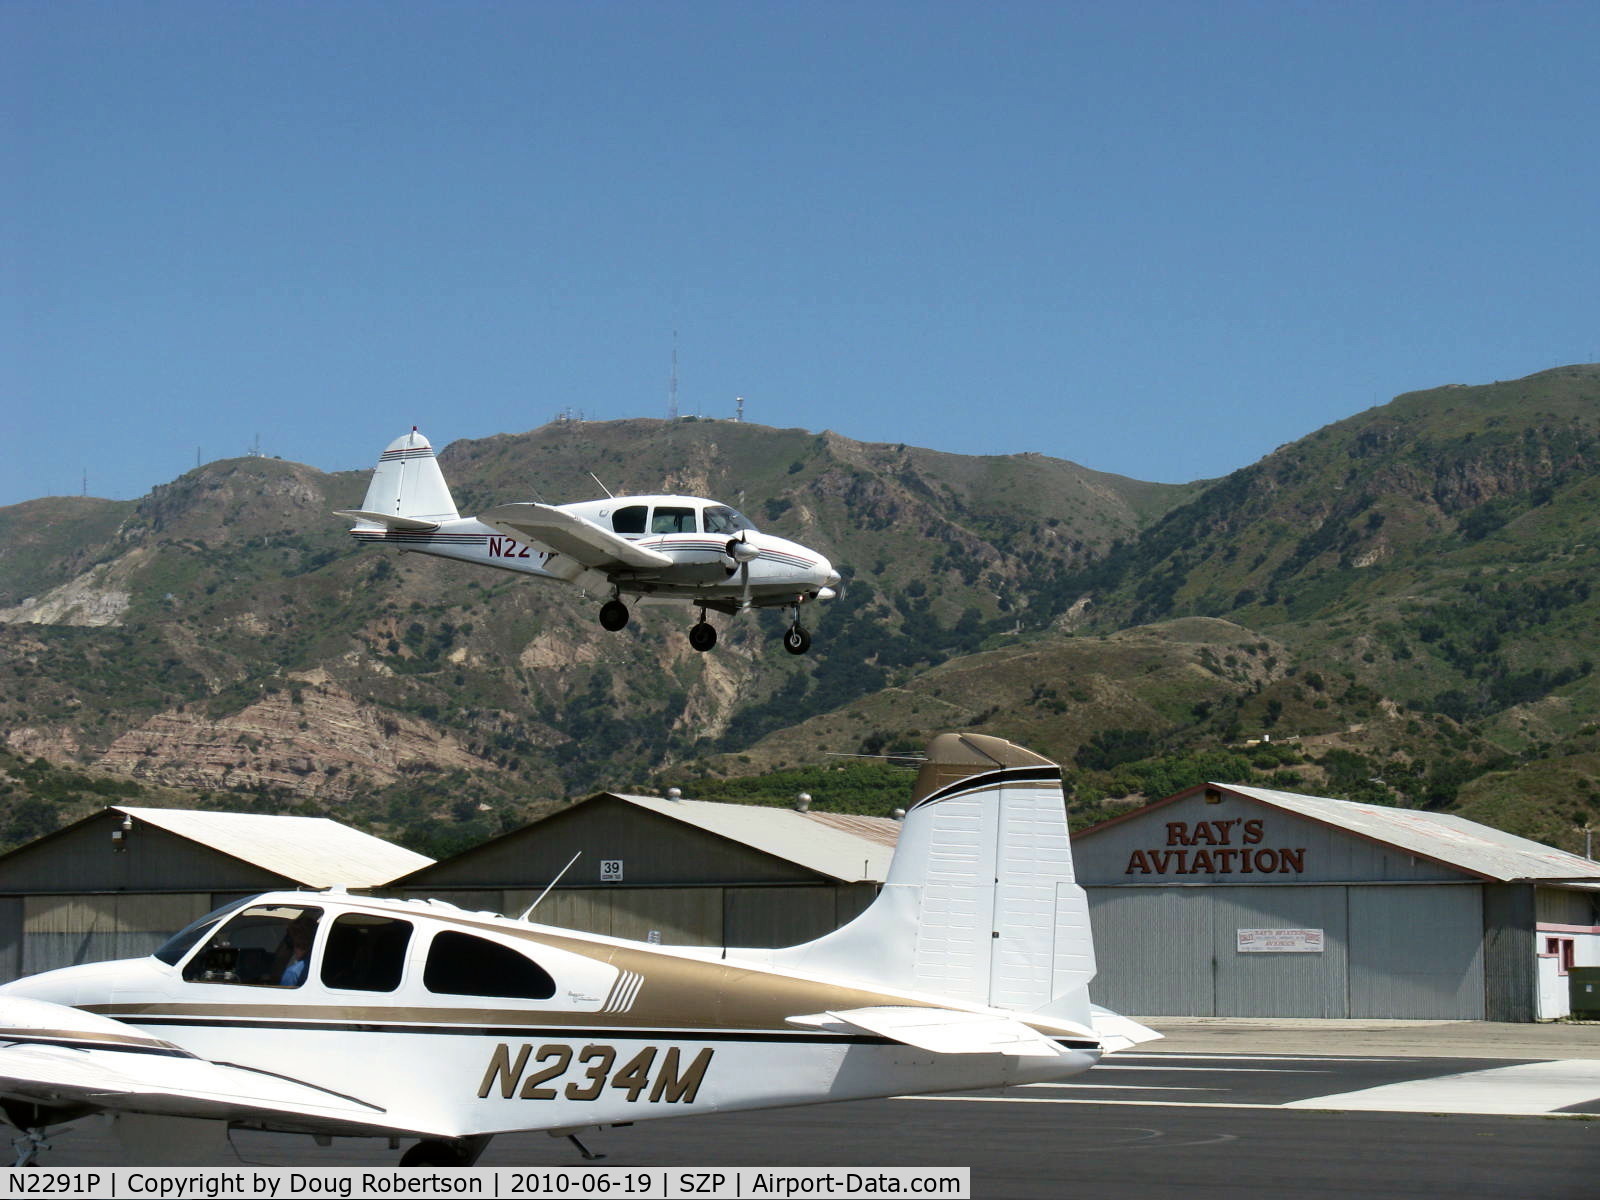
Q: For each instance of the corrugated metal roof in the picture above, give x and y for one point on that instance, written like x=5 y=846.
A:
x=847 y=848
x=1443 y=837
x=312 y=851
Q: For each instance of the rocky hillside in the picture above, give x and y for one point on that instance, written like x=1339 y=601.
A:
x=1396 y=608
x=224 y=637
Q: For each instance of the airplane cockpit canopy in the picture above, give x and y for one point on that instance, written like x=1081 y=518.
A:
x=275 y=944
x=722 y=519
x=679 y=518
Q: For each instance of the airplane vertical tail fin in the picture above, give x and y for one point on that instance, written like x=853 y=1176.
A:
x=980 y=905
x=408 y=490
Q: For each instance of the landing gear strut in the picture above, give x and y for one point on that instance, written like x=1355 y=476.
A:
x=795 y=639
x=703 y=636
x=613 y=615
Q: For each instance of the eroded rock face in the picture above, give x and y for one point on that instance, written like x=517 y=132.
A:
x=312 y=739
x=98 y=597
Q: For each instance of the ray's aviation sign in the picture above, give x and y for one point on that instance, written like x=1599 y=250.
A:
x=1217 y=848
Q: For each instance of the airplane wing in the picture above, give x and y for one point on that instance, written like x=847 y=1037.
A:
x=940 y=1030
x=62 y=1058
x=579 y=539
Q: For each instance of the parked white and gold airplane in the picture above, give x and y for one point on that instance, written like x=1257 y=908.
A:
x=659 y=548
x=335 y=1014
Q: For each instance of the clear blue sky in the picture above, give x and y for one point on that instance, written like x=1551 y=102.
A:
x=1157 y=238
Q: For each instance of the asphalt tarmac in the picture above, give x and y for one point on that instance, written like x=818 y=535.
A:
x=1220 y=1108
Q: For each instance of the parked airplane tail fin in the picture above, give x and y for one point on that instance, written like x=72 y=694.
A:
x=980 y=904
x=408 y=491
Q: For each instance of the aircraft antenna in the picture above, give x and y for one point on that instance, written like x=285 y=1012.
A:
x=603 y=487
x=527 y=912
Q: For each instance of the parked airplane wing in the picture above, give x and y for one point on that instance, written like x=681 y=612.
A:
x=62 y=1058
x=941 y=1030
x=578 y=538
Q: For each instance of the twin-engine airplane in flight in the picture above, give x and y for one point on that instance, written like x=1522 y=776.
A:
x=677 y=549
x=334 y=1014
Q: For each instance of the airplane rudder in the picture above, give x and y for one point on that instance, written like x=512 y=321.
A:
x=408 y=482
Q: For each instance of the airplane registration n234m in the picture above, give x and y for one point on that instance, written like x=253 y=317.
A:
x=335 y=1014
x=658 y=548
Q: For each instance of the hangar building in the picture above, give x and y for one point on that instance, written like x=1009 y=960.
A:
x=118 y=883
x=690 y=872
x=1238 y=901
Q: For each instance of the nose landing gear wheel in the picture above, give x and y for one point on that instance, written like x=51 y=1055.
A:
x=796 y=640
x=703 y=636
x=613 y=615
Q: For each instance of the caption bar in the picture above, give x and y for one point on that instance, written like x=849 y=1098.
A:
x=607 y=1183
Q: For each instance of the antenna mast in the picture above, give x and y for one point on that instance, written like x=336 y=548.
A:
x=672 y=383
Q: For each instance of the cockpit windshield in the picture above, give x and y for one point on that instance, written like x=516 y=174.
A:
x=720 y=518
x=176 y=946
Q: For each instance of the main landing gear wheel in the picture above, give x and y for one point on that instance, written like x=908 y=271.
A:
x=436 y=1152
x=613 y=615
x=796 y=640
x=703 y=636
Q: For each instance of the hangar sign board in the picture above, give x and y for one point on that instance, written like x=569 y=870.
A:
x=1280 y=941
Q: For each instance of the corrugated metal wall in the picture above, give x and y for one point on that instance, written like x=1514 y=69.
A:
x=651 y=849
x=1173 y=951
x=84 y=859
x=1417 y=952
x=60 y=931
x=1282 y=985
x=1511 y=982
x=686 y=916
x=1153 y=951
x=1567 y=906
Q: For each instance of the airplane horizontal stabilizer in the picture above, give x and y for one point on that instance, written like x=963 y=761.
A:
x=1117 y=1032
x=579 y=539
x=940 y=1030
x=403 y=524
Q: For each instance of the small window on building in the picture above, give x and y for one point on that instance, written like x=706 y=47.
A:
x=268 y=945
x=460 y=964
x=674 y=520
x=365 y=953
x=1564 y=951
x=630 y=519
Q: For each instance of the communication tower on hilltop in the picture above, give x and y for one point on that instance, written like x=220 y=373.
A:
x=672 y=381
x=738 y=408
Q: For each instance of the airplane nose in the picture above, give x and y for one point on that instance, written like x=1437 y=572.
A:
x=833 y=579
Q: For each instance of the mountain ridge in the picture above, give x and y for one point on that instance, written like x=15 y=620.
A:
x=1395 y=607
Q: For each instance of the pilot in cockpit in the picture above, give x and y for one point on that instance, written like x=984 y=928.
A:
x=294 y=955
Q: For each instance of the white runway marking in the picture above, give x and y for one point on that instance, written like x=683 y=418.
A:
x=1528 y=1089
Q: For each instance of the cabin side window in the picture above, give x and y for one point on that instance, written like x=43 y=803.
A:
x=460 y=964
x=365 y=953
x=268 y=945
x=674 y=520
x=629 y=519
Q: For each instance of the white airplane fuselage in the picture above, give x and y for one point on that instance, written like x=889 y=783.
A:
x=659 y=548
x=632 y=1032
x=330 y=1013
x=782 y=572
